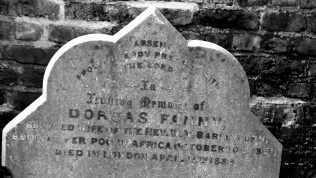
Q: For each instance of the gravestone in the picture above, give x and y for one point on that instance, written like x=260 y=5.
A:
x=142 y=103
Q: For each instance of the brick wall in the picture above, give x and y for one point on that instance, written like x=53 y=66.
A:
x=274 y=40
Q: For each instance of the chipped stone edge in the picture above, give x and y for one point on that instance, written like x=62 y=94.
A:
x=79 y=40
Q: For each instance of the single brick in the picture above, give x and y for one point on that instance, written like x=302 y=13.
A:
x=284 y=21
x=21 y=99
x=219 y=18
x=85 y=11
x=226 y=2
x=285 y=2
x=245 y=42
x=312 y=22
x=299 y=90
x=28 y=31
x=62 y=33
x=274 y=44
x=32 y=76
x=274 y=21
x=308 y=4
x=252 y=2
x=29 y=54
x=31 y=8
x=306 y=46
x=6 y=29
x=312 y=70
x=9 y=73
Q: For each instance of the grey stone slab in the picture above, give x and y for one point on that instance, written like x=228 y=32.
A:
x=142 y=103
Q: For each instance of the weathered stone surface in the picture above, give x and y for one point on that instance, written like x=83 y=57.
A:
x=32 y=76
x=291 y=120
x=296 y=22
x=280 y=112
x=86 y=11
x=312 y=22
x=299 y=90
x=308 y=4
x=246 y=42
x=285 y=2
x=142 y=103
x=65 y=33
x=28 y=31
x=312 y=69
x=9 y=74
x=21 y=99
x=178 y=13
x=221 y=39
x=275 y=44
x=68 y=30
x=252 y=2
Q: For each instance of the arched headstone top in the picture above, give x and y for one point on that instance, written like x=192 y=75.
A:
x=142 y=103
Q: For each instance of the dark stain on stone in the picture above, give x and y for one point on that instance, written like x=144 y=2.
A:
x=190 y=85
x=211 y=59
x=83 y=72
x=96 y=46
x=197 y=52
